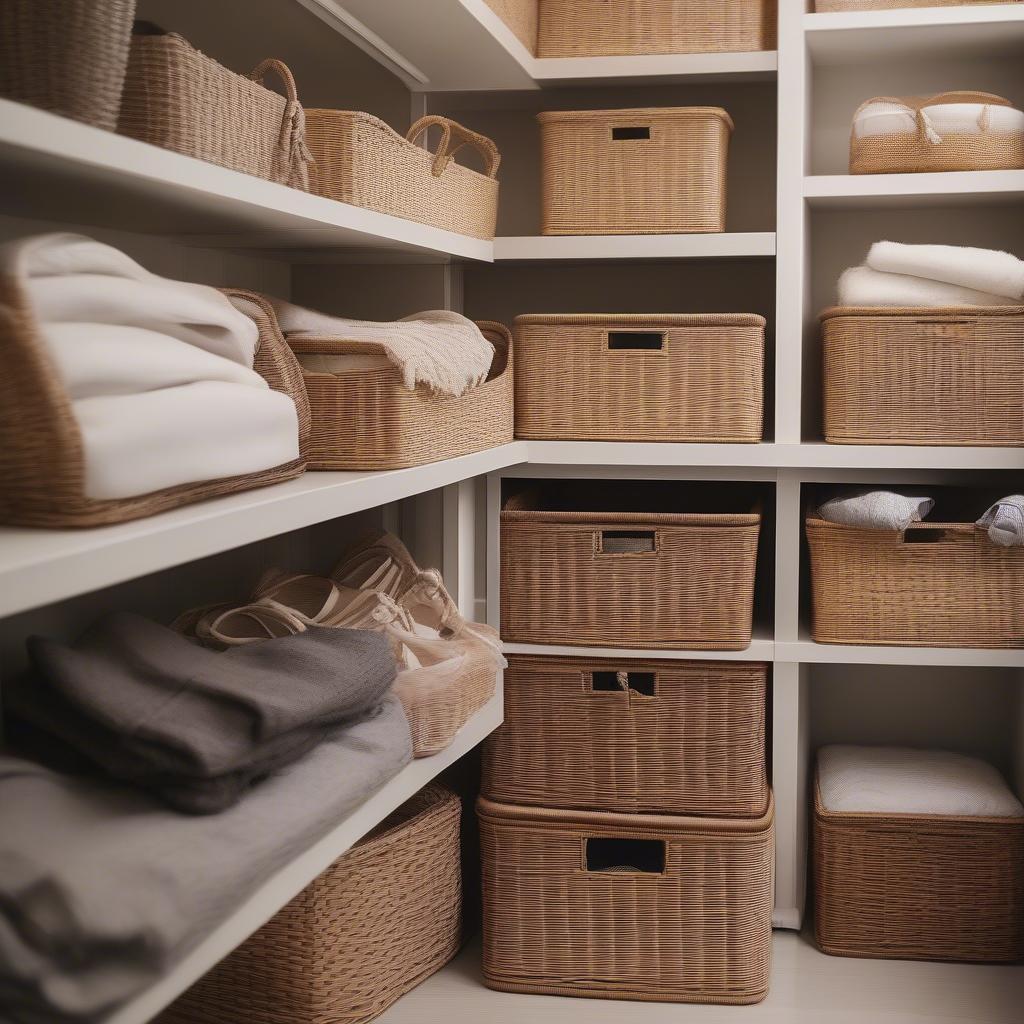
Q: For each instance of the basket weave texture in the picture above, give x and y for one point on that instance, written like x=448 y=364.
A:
x=659 y=170
x=577 y=734
x=924 y=376
x=367 y=419
x=66 y=56
x=918 y=886
x=699 y=930
x=521 y=16
x=949 y=586
x=825 y=6
x=578 y=377
x=362 y=161
x=603 y=28
x=382 y=919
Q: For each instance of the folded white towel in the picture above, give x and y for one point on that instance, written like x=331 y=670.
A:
x=875 y=510
x=443 y=350
x=862 y=286
x=1005 y=521
x=984 y=270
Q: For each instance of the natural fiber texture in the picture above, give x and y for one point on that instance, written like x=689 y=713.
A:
x=578 y=733
x=824 y=6
x=180 y=99
x=951 y=376
x=922 y=150
x=605 y=28
x=362 y=161
x=918 y=886
x=697 y=930
x=954 y=589
x=577 y=378
x=521 y=16
x=66 y=56
x=366 y=419
x=385 y=917
x=658 y=170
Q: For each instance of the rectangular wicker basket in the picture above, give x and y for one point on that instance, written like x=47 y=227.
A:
x=918 y=886
x=659 y=170
x=522 y=17
x=378 y=922
x=365 y=418
x=934 y=585
x=603 y=28
x=622 y=377
x=362 y=161
x=826 y=6
x=661 y=737
x=661 y=579
x=924 y=376
x=616 y=906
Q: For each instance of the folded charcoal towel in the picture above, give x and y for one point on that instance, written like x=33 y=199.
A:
x=862 y=286
x=1005 y=521
x=983 y=270
x=875 y=510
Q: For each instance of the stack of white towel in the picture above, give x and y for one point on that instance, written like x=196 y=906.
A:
x=933 y=275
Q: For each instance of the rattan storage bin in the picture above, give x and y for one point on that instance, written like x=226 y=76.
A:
x=362 y=161
x=378 y=922
x=950 y=376
x=661 y=737
x=607 y=28
x=630 y=572
x=521 y=16
x=918 y=886
x=825 y=6
x=66 y=56
x=180 y=99
x=365 y=418
x=659 y=170
x=620 y=377
x=935 y=585
x=619 y=906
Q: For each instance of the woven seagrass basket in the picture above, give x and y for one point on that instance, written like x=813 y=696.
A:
x=620 y=377
x=384 y=918
x=918 y=886
x=362 y=161
x=825 y=6
x=659 y=170
x=656 y=737
x=616 y=906
x=521 y=16
x=950 y=376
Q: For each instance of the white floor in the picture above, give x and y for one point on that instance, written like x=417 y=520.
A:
x=807 y=988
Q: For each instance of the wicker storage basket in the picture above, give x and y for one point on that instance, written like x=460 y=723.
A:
x=662 y=737
x=362 y=161
x=618 y=377
x=659 y=170
x=825 y=6
x=924 y=150
x=936 y=584
x=924 y=376
x=180 y=99
x=521 y=16
x=622 y=906
x=606 y=28
x=67 y=56
x=382 y=919
x=660 y=579
x=366 y=418
x=918 y=886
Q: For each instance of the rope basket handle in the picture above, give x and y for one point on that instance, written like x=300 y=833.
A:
x=452 y=129
x=292 y=159
x=279 y=68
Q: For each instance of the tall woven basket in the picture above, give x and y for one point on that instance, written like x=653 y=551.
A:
x=381 y=920
x=66 y=56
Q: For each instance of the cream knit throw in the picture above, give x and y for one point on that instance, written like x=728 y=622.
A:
x=1005 y=521
x=875 y=510
x=440 y=349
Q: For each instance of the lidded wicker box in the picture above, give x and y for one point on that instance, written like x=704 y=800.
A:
x=664 y=737
x=952 y=376
x=657 y=170
x=622 y=377
x=615 y=906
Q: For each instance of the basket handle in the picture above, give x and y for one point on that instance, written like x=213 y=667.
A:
x=292 y=158
x=631 y=542
x=452 y=129
x=928 y=536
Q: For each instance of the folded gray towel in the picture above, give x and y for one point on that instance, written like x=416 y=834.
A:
x=1005 y=521
x=875 y=510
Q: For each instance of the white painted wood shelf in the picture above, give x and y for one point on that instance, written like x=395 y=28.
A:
x=948 y=188
x=762 y=648
x=540 y=248
x=806 y=651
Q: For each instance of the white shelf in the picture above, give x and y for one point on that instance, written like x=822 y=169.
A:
x=874 y=191
x=287 y=883
x=692 y=68
x=807 y=651
x=540 y=248
x=761 y=648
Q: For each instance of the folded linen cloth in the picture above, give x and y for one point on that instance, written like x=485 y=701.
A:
x=895 y=117
x=102 y=890
x=983 y=270
x=862 y=286
x=875 y=510
x=1005 y=521
x=440 y=349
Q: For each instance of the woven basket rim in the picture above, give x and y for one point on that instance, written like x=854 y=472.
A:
x=931 y=312
x=575 y=661
x=642 y=319
x=819 y=523
x=436 y=798
x=634 y=113
x=710 y=519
